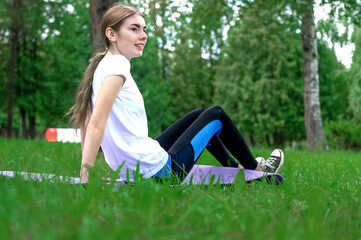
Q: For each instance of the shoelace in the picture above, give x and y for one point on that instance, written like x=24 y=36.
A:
x=265 y=163
x=271 y=159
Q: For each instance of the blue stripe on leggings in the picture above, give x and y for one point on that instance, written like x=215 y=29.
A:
x=201 y=139
x=166 y=170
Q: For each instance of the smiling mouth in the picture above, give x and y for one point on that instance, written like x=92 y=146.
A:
x=141 y=45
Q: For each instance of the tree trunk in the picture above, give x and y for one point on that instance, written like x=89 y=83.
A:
x=313 y=120
x=23 y=133
x=97 y=10
x=15 y=27
x=32 y=124
x=32 y=111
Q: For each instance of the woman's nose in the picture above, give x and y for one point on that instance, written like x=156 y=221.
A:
x=144 y=35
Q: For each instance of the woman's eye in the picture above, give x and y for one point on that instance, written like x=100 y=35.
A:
x=134 y=29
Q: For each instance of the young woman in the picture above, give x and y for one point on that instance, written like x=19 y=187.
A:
x=109 y=109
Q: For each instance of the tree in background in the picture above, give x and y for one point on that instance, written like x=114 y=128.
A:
x=65 y=55
x=30 y=79
x=334 y=84
x=22 y=65
x=160 y=22
x=259 y=79
x=200 y=36
x=349 y=14
x=4 y=66
x=254 y=70
x=14 y=37
x=209 y=21
x=355 y=77
x=187 y=71
x=97 y=10
x=313 y=119
x=52 y=43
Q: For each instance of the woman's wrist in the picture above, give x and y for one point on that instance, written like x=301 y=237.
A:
x=84 y=172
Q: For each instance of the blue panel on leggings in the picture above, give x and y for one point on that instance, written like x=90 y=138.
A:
x=166 y=170
x=200 y=141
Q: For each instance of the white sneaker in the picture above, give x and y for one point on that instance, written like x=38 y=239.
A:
x=274 y=163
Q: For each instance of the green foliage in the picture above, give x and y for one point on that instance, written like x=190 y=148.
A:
x=53 y=51
x=208 y=25
x=328 y=29
x=254 y=70
x=344 y=134
x=4 y=60
x=197 y=52
x=259 y=81
x=334 y=84
x=189 y=80
x=355 y=77
x=66 y=53
x=320 y=199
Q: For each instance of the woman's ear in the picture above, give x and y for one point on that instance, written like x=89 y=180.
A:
x=110 y=34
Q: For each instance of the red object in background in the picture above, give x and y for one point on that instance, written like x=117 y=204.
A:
x=51 y=134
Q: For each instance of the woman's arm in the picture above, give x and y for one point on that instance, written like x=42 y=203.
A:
x=83 y=131
x=95 y=130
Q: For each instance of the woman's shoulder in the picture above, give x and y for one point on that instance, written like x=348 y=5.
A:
x=117 y=59
x=114 y=63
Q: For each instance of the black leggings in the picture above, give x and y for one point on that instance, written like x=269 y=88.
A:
x=211 y=128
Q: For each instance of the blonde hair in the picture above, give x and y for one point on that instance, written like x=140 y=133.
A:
x=113 y=18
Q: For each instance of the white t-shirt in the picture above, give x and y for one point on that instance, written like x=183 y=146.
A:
x=126 y=134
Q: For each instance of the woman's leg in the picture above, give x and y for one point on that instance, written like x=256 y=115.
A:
x=169 y=136
x=190 y=144
x=220 y=152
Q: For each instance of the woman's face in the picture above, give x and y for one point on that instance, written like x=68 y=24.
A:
x=131 y=37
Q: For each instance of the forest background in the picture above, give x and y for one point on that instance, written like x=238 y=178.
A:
x=246 y=56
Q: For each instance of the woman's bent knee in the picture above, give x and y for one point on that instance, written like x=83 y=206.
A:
x=217 y=109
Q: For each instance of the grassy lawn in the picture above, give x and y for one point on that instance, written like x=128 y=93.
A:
x=320 y=199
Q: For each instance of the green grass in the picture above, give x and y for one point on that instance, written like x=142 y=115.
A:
x=320 y=199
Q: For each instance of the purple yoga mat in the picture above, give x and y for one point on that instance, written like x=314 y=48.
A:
x=200 y=174
x=203 y=174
